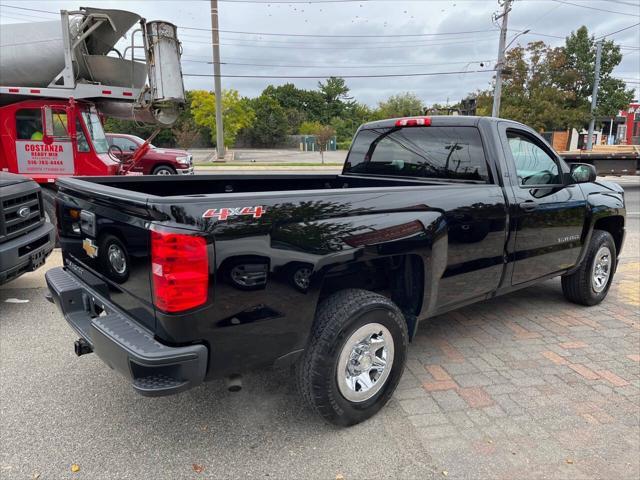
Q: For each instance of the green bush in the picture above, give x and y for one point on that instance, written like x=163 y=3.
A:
x=343 y=145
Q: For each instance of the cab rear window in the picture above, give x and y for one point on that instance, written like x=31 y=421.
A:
x=454 y=153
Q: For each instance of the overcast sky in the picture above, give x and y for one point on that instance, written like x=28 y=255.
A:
x=344 y=56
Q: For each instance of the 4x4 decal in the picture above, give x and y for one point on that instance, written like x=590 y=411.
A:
x=225 y=213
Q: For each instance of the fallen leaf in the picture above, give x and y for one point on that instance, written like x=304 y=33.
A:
x=445 y=473
x=569 y=461
x=75 y=468
x=339 y=476
x=197 y=468
x=16 y=300
x=35 y=476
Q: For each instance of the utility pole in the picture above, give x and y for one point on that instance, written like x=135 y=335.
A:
x=495 y=112
x=594 y=95
x=215 y=43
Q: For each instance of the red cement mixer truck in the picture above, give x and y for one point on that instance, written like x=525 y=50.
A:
x=57 y=78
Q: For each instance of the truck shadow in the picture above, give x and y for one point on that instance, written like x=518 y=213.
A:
x=268 y=404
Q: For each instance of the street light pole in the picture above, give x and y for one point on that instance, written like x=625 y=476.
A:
x=501 y=51
x=594 y=95
x=215 y=43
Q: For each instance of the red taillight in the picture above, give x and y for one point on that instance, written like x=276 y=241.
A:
x=180 y=271
x=414 y=122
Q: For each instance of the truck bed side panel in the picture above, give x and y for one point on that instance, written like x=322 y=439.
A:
x=270 y=271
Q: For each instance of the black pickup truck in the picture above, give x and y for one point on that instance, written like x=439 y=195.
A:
x=174 y=281
x=26 y=239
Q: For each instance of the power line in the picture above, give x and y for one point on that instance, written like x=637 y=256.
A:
x=426 y=74
x=313 y=35
x=626 y=3
x=399 y=65
x=594 y=8
x=618 y=31
x=338 y=43
x=28 y=9
x=267 y=2
x=344 y=47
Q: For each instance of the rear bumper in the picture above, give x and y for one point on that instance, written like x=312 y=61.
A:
x=153 y=368
x=26 y=252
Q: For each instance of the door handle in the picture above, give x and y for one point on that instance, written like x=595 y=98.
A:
x=528 y=206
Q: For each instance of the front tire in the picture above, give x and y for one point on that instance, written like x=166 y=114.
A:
x=355 y=357
x=164 y=170
x=590 y=284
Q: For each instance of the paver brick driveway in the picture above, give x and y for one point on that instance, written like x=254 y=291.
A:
x=521 y=387
x=530 y=386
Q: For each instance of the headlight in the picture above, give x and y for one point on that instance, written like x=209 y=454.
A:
x=183 y=159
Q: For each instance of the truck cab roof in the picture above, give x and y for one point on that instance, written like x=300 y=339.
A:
x=436 y=121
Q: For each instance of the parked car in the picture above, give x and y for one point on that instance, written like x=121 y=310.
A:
x=173 y=282
x=157 y=161
x=26 y=239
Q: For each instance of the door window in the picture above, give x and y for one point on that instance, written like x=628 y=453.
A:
x=534 y=165
x=29 y=124
x=60 y=124
x=83 y=145
x=124 y=143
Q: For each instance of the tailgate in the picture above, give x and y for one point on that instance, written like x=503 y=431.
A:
x=105 y=242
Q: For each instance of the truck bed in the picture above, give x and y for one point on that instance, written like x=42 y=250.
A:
x=199 y=185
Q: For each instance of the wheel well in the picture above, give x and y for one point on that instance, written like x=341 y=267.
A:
x=615 y=226
x=399 y=278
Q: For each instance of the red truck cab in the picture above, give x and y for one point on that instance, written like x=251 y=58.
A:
x=71 y=141
x=156 y=161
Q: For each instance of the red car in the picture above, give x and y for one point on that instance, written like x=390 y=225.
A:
x=157 y=161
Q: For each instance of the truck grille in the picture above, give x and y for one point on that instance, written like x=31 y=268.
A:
x=20 y=213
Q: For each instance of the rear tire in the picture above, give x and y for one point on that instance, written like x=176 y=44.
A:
x=355 y=357
x=164 y=170
x=590 y=284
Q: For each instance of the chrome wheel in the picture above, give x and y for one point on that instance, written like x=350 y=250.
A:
x=601 y=269
x=164 y=171
x=117 y=259
x=365 y=362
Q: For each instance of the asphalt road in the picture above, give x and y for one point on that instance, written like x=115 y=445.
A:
x=57 y=410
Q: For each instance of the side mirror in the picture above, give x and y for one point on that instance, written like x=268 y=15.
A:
x=583 y=172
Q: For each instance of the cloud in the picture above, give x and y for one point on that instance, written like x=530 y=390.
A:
x=338 y=56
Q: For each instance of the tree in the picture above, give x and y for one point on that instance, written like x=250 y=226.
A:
x=115 y=125
x=185 y=133
x=580 y=51
x=310 y=128
x=550 y=88
x=335 y=94
x=236 y=113
x=400 y=105
x=300 y=104
x=270 y=126
x=323 y=136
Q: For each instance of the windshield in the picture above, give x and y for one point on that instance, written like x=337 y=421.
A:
x=94 y=127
